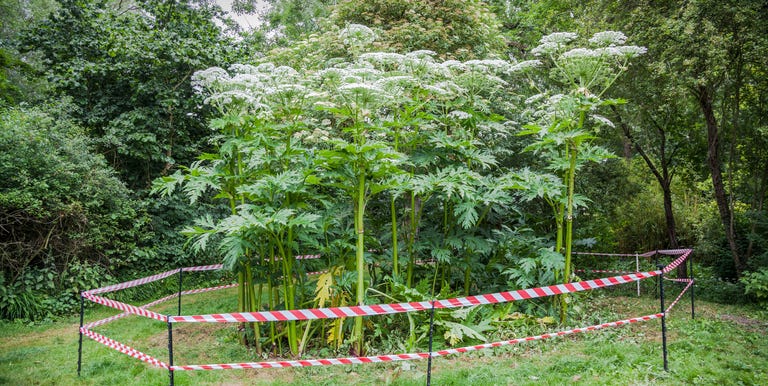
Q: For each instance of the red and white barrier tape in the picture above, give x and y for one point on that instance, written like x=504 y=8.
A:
x=383 y=309
x=673 y=252
x=690 y=283
x=214 y=267
x=133 y=283
x=678 y=280
x=403 y=357
x=150 y=279
x=156 y=302
x=113 y=344
x=604 y=254
x=125 y=307
x=124 y=314
x=678 y=261
x=602 y=271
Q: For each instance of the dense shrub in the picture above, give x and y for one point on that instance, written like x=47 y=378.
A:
x=65 y=219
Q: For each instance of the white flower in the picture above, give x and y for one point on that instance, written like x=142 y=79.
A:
x=488 y=65
x=382 y=58
x=535 y=98
x=521 y=66
x=357 y=34
x=459 y=115
x=579 y=53
x=324 y=104
x=421 y=54
x=285 y=72
x=396 y=81
x=632 y=51
x=602 y=120
x=609 y=51
x=238 y=68
x=208 y=78
x=558 y=38
x=454 y=65
x=608 y=38
x=364 y=72
x=362 y=88
x=265 y=68
x=450 y=87
x=545 y=49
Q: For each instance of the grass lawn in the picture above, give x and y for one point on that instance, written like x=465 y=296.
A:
x=724 y=345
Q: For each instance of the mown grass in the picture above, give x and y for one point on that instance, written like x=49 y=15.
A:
x=725 y=345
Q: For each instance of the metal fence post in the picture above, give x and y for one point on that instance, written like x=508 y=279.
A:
x=663 y=318
x=181 y=272
x=693 y=284
x=80 y=343
x=170 y=349
x=637 y=269
x=431 y=331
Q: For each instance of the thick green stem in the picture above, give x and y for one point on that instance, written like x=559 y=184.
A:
x=411 y=241
x=360 y=257
x=289 y=293
x=572 y=154
x=467 y=272
x=395 y=262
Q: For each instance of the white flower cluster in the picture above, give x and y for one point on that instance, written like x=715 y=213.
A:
x=608 y=38
x=357 y=35
x=524 y=65
x=210 y=78
x=459 y=115
x=559 y=38
x=579 y=53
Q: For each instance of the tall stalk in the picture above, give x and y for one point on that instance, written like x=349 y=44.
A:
x=572 y=154
x=360 y=256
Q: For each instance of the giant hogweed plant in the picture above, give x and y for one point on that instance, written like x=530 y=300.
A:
x=290 y=142
x=262 y=170
x=564 y=118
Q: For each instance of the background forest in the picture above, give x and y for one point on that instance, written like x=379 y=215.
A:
x=141 y=136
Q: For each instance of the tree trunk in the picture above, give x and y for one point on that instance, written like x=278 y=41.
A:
x=664 y=177
x=704 y=95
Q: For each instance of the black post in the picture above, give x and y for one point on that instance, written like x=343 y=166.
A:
x=170 y=350
x=80 y=344
x=431 y=330
x=693 y=284
x=658 y=278
x=663 y=318
x=181 y=272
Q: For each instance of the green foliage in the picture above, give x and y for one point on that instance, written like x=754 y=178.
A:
x=454 y=29
x=756 y=283
x=128 y=70
x=62 y=209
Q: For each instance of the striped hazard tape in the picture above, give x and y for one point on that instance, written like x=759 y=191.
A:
x=602 y=271
x=133 y=283
x=214 y=267
x=405 y=357
x=682 y=280
x=123 y=348
x=124 y=307
x=383 y=309
x=690 y=283
x=156 y=302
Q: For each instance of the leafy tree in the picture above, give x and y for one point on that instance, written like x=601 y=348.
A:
x=65 y=219
x=128 y=70
x=453 y=29
x=17 y=80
